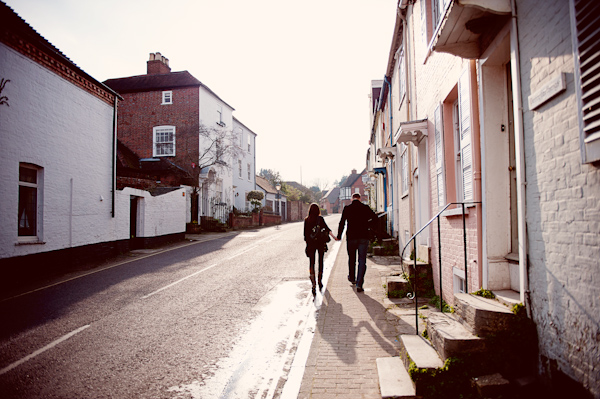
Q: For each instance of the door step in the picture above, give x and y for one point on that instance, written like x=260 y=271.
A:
x=483 y=316
x=450 y=338
x=394 y=381
x=418 y=350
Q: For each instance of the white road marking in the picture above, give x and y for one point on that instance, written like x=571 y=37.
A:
x=44 y=349
x=179 y=281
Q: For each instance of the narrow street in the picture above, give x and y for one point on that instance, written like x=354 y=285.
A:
x=221 y=317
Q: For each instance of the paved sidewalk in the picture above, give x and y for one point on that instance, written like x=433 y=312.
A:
x=353 y=329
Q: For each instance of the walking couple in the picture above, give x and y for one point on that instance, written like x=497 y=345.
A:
x=358 y=216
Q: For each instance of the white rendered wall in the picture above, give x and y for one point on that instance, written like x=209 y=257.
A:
x=157 y=216
x=242 y=184
x=68 y=132
x=563 y=201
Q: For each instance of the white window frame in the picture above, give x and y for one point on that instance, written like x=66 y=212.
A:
x=220 y=115
x=156 y=130
x=401 y=76
x=439 y=155
x=458 y=283
x=249 y=144
x=167 y=97
x=240 y=167
x=587 y=95
x=249 y=172
x=404 y=168
x=37 y=186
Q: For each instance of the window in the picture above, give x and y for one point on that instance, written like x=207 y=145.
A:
x=164 y=141
x=28 y=201
x=586 y=36
x=404 y=168
x=220 y=115
x=249 y=172
x=167 y=97
x=465 y=173
x=458 y=280
x=439 y=155
x=401 y=76
x=240 y=168
x=249 y=148
x=432 y=13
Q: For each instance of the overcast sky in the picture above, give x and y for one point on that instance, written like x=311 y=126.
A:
x=297 y=72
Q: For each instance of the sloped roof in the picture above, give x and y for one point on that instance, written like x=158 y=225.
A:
x=265 y=185
x=160 y=81
x=18 y=34
x=333 y=195
x=352 y=179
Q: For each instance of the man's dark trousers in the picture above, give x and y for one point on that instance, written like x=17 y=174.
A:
x=360 y=245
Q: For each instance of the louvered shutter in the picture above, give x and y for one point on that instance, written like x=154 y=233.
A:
x=586 y=31
x=439 y=155
x=466 y=158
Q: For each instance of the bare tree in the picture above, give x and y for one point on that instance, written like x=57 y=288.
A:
x=210 y=147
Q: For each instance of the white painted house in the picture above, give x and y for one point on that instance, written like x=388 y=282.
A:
x=244 y=167
x=57 y=170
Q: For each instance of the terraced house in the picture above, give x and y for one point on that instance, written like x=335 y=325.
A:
x=486 y=124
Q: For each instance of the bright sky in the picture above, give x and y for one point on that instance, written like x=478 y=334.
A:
x=297 y=73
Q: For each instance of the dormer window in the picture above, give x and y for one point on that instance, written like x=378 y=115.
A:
x=167 y=97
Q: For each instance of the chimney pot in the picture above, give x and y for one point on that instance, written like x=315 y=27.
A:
x=157 y=64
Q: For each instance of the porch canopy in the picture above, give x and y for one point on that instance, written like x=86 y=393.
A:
x=411 y=132
x=469 y=26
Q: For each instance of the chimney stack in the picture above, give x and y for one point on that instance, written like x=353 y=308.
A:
x=353 y=171
x=158 y=64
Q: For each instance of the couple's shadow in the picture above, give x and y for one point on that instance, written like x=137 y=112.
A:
x=344 y=334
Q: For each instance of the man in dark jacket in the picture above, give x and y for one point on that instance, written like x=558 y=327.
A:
x=359 y=216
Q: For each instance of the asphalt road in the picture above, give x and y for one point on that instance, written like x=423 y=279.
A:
x=217 y=318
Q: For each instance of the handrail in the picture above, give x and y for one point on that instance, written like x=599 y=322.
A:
x=414 y=241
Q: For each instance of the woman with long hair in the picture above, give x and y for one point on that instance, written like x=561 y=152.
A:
x=316 y=235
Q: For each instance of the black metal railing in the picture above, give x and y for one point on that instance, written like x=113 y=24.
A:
x=413 y=284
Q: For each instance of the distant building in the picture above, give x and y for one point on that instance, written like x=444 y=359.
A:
x=244 y=173
x=353 y=184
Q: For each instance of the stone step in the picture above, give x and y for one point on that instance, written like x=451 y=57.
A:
x=508 y=297
x=418 y=350
x=483 y=316
x=450 y=338
x=394 y=381
x=397 y=283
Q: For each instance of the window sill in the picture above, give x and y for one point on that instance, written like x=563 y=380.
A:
x=455 y=212
x=20 y=243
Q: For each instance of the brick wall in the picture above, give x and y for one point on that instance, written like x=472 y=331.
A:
x=139 y=113
x=563 y=207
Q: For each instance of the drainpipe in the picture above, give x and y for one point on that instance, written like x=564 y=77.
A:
x=520 y=158
x=114 y=159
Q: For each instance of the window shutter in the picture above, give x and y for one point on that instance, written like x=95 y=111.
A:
x=466 y=158
x=586 y=41
x=439 y=155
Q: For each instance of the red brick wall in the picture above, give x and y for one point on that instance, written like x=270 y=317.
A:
x=140 y=112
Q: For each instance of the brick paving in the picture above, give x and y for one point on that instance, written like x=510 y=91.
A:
x=353 y=329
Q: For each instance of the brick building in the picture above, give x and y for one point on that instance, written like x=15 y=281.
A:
x=353 y=184
x=176 y=124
